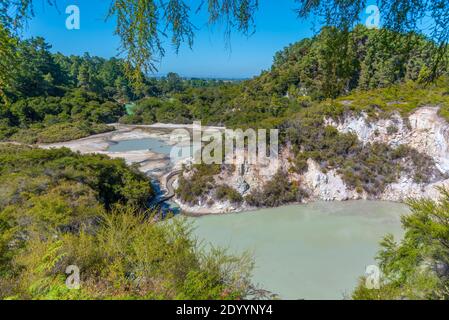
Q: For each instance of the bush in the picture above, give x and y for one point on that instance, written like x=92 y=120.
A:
x=121 y=258
x=417 y=266
x=225 y=192
x=53 y=119
x=111 y=180
x=199 y=185
x=278 y=191
x=58 y=132
x=59 y=208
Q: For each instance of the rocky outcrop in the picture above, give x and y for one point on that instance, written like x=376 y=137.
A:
x=406 y=188
x=423 y=130
x=326 y=186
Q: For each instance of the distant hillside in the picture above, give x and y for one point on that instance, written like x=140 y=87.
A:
x=333 y=63
x=330 y=65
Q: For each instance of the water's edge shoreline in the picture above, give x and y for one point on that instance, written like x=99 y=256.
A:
x=100 y=143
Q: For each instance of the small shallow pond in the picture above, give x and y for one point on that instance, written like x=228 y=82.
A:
x=152 y=144
x=313 y=251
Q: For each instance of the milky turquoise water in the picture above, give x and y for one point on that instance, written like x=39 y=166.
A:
x=313 y=251
x=154 y=145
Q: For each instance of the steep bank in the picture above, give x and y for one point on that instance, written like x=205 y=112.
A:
x=423 y=130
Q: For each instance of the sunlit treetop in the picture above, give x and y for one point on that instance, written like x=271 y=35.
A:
x=429 y=17
x=142 y=24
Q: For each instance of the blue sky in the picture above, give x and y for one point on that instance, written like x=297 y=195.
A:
x=276 y=26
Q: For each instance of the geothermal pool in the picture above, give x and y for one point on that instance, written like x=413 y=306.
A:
x=313 y=251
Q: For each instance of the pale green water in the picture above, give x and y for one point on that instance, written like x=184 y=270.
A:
x=313 y=251
x=155 y=145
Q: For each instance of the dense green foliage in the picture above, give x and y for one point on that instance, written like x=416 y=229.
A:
x=38 y=72
x=334 y=62
x=276 y=192
x=28 y=171
x=310 y=71
x=59 y=208
x=8 y=60
x=52 y=97
x=367 y=167
x=416 y=267
x=51 y=119
x=399 y=16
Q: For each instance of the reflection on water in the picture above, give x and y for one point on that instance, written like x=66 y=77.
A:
x=175 y=152
x=313 y=251
x=151 y=144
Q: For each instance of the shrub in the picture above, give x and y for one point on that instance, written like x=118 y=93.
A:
x=58 y=132
x=121 y=258
x=225 y=192
x=199 y=185
x=112 y=181
x=60 y=208
x=392 y=129
x=278 y=191
x=416 y=267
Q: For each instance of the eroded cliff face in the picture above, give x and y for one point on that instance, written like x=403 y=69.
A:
x=327 y=186
x=423 y=130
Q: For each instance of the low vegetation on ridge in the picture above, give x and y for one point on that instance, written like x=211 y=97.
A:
x=403 y=98
x=60 y=209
